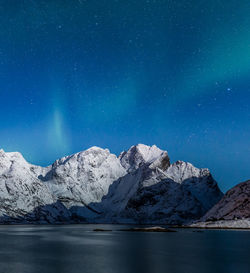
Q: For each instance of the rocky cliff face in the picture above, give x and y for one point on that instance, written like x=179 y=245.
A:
x=96 y=186
x=234 y=205
x=233 y=210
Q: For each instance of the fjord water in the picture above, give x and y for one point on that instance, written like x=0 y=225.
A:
x=77 y=248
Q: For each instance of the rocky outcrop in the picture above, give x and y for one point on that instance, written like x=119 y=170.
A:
x=232 y=211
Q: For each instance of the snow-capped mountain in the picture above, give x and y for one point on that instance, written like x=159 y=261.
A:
x=84 y=177
x=96 y=186
x=233 y=210
x=153 y=191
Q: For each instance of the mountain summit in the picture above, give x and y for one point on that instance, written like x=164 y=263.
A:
x=143 y=154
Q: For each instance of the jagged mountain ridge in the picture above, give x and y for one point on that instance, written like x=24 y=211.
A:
x=96 y=186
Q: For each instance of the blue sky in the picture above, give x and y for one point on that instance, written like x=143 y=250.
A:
x=78 y=73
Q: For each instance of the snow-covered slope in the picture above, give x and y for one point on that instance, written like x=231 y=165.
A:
x=184 y=193
x=20 y=189
x=232 y=211
x=199 y=182
x=84 y=177
x=96 y=186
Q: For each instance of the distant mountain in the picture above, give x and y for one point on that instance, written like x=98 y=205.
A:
x=232 y=211
x=139 y=186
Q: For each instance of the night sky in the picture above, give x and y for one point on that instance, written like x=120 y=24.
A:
x=82 y=73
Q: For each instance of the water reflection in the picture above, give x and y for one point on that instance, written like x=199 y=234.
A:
x=39 y=249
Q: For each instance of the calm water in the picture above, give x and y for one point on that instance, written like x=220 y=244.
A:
x=77 y=248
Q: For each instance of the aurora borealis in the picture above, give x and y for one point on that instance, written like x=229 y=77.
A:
x=79 y=73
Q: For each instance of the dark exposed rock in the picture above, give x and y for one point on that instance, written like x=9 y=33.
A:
x=149 y=229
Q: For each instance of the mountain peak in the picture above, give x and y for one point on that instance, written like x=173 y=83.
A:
x=141 y=154
x=95 y=148
x=10 y=158
x=180 y=170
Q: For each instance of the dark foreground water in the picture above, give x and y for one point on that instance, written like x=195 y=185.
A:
x=77 y=248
